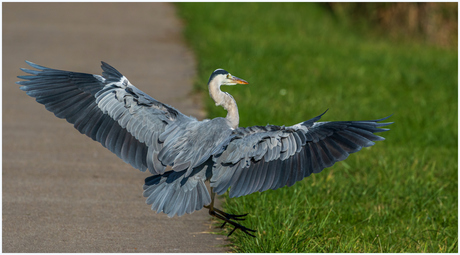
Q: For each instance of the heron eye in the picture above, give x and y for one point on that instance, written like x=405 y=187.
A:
x=229 y=76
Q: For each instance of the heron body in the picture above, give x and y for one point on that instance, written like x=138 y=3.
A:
x=151 y=135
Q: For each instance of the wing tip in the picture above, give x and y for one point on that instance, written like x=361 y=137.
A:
x=385 y=118
x=379 y=125
x=103 y=63
x=32 y=64
x=110 y=71
x=310 y=122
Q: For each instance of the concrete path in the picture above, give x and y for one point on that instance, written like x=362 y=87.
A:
x=63 y=192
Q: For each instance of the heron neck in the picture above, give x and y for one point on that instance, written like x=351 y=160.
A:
x=225 y=100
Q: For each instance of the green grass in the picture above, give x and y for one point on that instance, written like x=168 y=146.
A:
x=397 y=196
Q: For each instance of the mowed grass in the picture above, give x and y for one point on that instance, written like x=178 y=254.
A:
x=397 y=196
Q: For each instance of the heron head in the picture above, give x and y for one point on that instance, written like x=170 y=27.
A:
x=225 y=78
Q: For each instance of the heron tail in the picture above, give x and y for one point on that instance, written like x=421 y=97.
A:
x=173 y=193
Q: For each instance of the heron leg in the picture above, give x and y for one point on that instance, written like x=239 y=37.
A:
x=231 y=216
x=227 y=218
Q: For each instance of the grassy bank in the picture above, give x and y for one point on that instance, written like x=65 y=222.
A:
x=397 y=196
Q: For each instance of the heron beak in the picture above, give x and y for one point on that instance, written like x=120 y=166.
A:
x=238 y=80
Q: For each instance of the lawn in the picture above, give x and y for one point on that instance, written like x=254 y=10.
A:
x=400 y=195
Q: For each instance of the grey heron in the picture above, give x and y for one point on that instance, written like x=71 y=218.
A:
x=151 y=135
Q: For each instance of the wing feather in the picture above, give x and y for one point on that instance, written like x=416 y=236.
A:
x=306 y=154
x=255 y=177
x=107 y=108
x=315 y=160
x=269 y=176
x=263 y=172
x=242 y=182
x=279 y=156
x=287 y=172
x=326 y=155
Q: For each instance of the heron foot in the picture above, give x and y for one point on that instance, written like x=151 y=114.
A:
x=227 y=218
x=231 y=216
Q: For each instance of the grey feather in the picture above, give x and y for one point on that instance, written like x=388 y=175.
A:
x=85 y=100
x=305 y=148
x=151 y=135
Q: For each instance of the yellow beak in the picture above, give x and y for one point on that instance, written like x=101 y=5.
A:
x=239 y=80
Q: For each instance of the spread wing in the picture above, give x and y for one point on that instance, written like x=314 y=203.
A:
x=260 y=158
x=107 y=108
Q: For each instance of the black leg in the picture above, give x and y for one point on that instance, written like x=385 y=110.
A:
x=227 y=218
x=231 y=216
x=216 y=214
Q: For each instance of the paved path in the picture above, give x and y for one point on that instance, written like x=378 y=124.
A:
x=63 y=192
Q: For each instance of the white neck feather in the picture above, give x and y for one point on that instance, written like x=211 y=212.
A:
x=226 y=101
